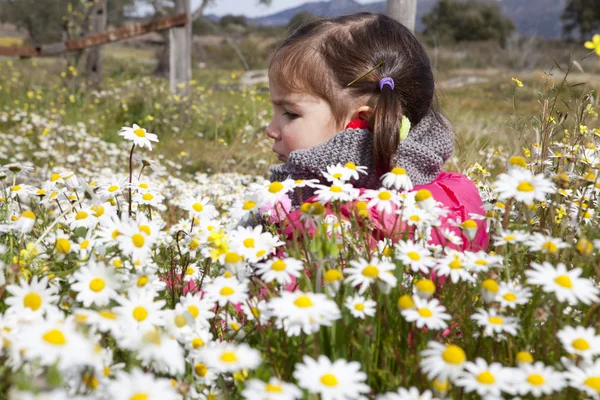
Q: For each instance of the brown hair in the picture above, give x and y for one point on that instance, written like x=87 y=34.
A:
x=324 y=56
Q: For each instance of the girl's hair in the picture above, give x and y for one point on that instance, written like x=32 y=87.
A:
x=324 y=56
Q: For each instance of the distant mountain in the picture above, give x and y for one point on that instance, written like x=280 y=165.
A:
x=532 y=17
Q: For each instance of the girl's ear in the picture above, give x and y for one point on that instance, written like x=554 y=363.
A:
x=362 y=113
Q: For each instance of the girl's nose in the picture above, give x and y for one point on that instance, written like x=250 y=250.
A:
x=271 y=132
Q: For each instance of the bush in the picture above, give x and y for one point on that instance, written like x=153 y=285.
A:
x=467 y=20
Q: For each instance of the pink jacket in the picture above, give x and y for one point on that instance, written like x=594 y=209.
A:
x=453 y=190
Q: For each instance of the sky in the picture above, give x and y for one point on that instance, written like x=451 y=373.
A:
x=250 y=8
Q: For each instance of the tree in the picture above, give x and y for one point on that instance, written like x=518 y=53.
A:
x=583 y=15
x=167 y=7
x=404 y=11
x=300 y=19
x=467 y=20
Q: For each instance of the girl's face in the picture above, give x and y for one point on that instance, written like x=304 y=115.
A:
x=300 y=121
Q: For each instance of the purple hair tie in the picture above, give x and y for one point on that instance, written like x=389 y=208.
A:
x=386 y=81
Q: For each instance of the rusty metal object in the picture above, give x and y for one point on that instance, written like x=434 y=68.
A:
x=87 y=42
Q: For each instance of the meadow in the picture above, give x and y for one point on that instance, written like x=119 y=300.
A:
x=124 y=272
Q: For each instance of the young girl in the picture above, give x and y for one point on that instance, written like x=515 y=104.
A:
x=340 y=88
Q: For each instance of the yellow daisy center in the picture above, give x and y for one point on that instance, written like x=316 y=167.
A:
x=550 y=247
x=33 y=301
x=405 y=302
x=200 y=370
x=425 y=312
x=564 y=281
x=496 y=320
x=194 y=311
x=425 y=286
x=139 y=396
x=81 y=215
x=510 y=297
x=63 y=245
x=198 y=207
x=370 y=271
x=535 y=379
x=249 y=205
x=113 y=188
x=228 y=357
x=147 y=197
x=278 y=265
x=303 y=302
x=139 y=132
x=580 y=344
x=142 y=281
x=140 y=314
x=490 y=285
x=398 y=171
x=329 y=380
x=413 y=255
x=486 y=378
x=197 y=343
x=384 y=196
x=138 y=240
x=55 y=337
x=227 y=291
x=335 y=189
x=275 y=187
x=524 y=357
x=28 y=214
x=593 y=382
x=249 y=243
x=273 y=388
x=454 y=355
x=525 y=187
x=97 y=284
x=422 y=195
x=333 y=275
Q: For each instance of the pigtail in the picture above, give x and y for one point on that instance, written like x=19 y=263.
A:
x=385 y=124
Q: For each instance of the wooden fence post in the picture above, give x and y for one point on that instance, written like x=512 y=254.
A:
x=404 y=11
x=180 y=57
x=98 y=19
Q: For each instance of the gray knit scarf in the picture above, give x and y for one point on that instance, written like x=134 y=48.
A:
x=422 y=154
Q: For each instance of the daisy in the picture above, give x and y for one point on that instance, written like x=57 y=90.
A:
x=156 y=350
x=545 y=244
x=511 y=294
x=338 y=380
x=275 y=389
x=203 y=373
x=146 y=279
x=566 y=285
x=149 y=198
x=585 y=378
x=383 y=200
x=271 y=193
x=229 y=357
x=280 y=270
x=103 y=320
x=223 y=290
x=429 y=313
x=494 y=323
x=138 y=136
x=407 y=394
x=397 y=179
x=22 y=191
x=298 y=312
x=486 y=379
x=140 y=310
x=580 y=341
x=31 y=300
x=360 y=307
x=244 y=210
x=333 y=281
x=522 y=185
x=52 y=341
x=200 y=207
x=140 y=385
x=415 y=256
x=83 y=218
x=512 y=237
x=424 y=288
x=135 y=242
x=196 y=339
x=454 y=265
x=364 y=273
x=442 y=361
x=344 y=192
x=254 y=244
x=482 y=261
x=339 y=174
x=112 y=188
x=540 y=380
x=256 y=310
x=24 y=224
x=95 y=284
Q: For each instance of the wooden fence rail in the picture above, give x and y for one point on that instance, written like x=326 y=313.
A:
x=100 y=39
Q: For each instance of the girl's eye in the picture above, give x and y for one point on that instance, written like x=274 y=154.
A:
x=291 y=115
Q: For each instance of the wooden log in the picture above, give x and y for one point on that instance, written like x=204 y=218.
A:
x=90 y=41
x=180 y=56
x=94 y=58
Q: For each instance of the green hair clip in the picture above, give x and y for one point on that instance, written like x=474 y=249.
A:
x=362 y=76
x=404 y=128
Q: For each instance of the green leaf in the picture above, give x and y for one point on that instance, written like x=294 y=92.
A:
x=404 y=128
